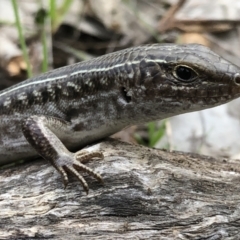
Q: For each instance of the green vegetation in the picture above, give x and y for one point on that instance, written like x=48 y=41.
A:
x=21 y=38
x=155 y=133
x=54 y=16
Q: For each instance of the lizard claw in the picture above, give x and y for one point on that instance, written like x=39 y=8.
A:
x=64 y=175
x=73 y=162
x=79 y=177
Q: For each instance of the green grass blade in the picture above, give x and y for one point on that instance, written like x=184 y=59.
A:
x=21 y=38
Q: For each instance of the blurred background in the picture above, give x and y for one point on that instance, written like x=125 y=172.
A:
x=40 y=35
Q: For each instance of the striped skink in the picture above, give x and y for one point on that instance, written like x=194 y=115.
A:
x=59 y=112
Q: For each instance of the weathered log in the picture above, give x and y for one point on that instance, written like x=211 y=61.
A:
x=148 y=193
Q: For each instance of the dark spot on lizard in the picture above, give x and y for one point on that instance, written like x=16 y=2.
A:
x=57 y=94
x=124 y=95
x=79 y=127
x=71 y=113
x=30 y=100
x=44 y=94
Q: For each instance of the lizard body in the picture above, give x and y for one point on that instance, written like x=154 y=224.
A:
x=63 y=110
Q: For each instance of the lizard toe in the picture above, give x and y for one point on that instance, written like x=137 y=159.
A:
x=84 y=156
x=72 y=163
x=80 y=178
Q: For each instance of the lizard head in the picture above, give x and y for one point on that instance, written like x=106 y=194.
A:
x=174 y=79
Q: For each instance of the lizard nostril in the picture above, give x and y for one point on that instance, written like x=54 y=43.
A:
x=237 y=78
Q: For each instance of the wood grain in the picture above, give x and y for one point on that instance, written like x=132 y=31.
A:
x=148 y=193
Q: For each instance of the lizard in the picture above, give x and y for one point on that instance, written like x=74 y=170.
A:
x=58 y=113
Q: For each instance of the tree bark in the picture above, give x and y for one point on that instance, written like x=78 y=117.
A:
x=148 y=193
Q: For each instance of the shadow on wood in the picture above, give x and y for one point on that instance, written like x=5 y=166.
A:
x=148 y=193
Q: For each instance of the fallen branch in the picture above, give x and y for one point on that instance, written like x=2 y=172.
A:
x=148 y=193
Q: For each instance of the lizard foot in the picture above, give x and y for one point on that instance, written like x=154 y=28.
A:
x=73 y=162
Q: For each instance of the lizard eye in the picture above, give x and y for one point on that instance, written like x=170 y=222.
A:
x=184 y=73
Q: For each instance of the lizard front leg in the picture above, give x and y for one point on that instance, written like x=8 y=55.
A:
x=39 y=132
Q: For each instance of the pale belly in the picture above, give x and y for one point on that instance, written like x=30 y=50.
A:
x=14 y=146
